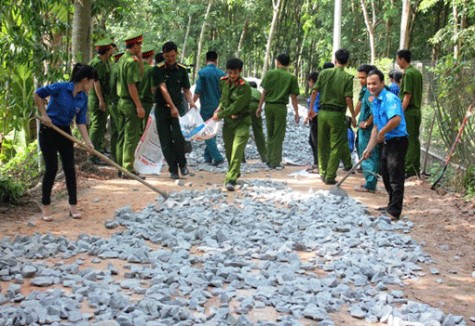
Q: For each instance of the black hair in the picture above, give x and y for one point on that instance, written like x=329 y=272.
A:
x=397 y=76
x=284 y=59
x=169 y=46
x=327 y=65
x=234 y=64
x=365 y=68
x=129 y=46
x=81 y=71
x=342 y=56
x=159 y=58
x=378 y=73
x=313 y=76
x=102 y=51
x=252 y=84
x=211 y=56
x=404 y=54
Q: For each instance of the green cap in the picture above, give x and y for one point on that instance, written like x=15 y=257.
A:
x=134 y=38
x=147 y=51
x=103 y=44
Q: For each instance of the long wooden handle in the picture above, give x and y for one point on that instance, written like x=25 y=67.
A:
x=107 y=160
x=349 y=172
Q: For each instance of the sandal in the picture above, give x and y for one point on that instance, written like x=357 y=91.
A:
x=47 y=218
x=313 y=169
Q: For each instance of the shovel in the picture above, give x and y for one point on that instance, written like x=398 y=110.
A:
x=107 y=160
x=336 y=190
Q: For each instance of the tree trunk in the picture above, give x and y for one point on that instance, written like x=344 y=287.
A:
x=276 y=10
x=455 y=13
x=405 y=21
x=370 y=27
x=81 y=34
x=185 y=41
x=337 y=27
x=202 y=36
x=243 y=36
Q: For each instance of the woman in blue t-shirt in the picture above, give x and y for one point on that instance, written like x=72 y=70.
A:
x=66 y=101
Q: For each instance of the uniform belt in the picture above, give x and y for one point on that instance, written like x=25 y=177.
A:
x=332 y=108
x=395 y=139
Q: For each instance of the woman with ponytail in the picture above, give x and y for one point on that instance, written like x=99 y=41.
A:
x=67 y=100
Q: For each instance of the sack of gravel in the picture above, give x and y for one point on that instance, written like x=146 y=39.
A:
x=148 y=154
x=205 y=131
x=190 y=121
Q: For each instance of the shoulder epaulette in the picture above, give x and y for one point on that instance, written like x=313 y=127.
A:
x=224 y=78
x=242 y=82
x=135 y=58
x=182 y=65
x=161 y=65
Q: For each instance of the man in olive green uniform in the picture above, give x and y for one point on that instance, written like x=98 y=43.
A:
x=278 y=85
x=146 y=93
x=113 y=100
x=234 y=108
x=99 y=96
x=257 y=122
x=130 y=108
x=171 y=78
x=336 y=94
x=410 y=94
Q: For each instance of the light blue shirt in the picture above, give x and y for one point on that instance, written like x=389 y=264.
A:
x=62 y=105
x=207 y=85
x=385 y=107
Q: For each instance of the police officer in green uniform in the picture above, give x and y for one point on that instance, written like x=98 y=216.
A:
x=336 y=94
x=171 y=78
x=130 y=109
x=278 y=84
x=256 y=122
x=113 y=100
x=410 y=94
x=234 y=108
x=146 y=92
x=98 y=98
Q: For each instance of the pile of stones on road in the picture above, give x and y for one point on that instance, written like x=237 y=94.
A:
x=203 y=258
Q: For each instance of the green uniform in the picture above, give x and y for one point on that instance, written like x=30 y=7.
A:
x=234 y=108
x=412 y=84
x=334 y=85
x=278 y=84
x=146 y=95
x=98 y=118
x=257 y=125
x=171 y=138
x=130 y=125
x=114 y=115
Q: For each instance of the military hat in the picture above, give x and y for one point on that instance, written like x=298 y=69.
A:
x=148 y=51
x=103 y=44
x=134 y=38
x=118 y=55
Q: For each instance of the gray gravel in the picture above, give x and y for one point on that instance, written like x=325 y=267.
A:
x=200 y=258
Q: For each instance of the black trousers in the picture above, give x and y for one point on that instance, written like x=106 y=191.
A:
x=171 y=139
x=393 y=153
x=52 y=143
x=313 y=138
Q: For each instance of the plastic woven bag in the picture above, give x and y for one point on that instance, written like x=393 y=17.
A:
x=148 y=154
x=190 y=121
x=205 y=131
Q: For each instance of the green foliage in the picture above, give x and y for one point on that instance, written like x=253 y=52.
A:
x=469 y=181
x=19 y=174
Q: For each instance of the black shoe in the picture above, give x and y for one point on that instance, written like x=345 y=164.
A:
x=218 y=162
x=229 y=186
x=125 y=176
x=330 y=182
x=119 y=174
x=390 y=215
x=381 y=208
x=174 y=175
x=184 y=171
x=243 y=160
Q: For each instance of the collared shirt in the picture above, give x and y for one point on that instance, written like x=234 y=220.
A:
x=394 y=88
x=62 y=105
x=103 y=70
x=279 y=84
x=365 y=111
x=128 y=73
x=207 y=86
x=412 y=83
x=385 y=107
x=113 y=97
x=176 y=79
x=146 y=85
x=235 y=98
x=256 y=97
x=334 y=85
